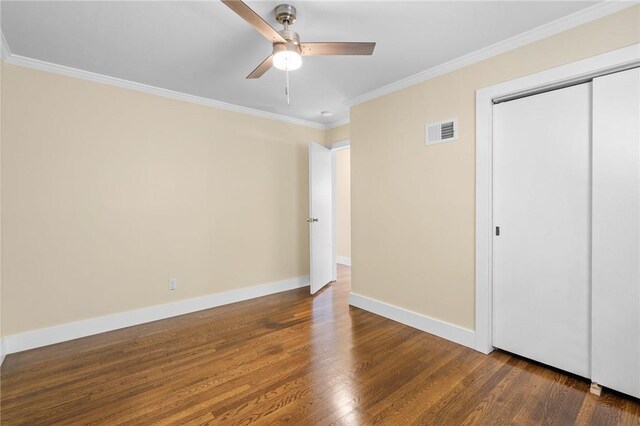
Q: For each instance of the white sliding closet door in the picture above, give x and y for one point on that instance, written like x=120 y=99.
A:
x=616 y=231
x=542 y=205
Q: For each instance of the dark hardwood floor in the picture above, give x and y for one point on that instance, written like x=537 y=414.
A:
x=291 y=358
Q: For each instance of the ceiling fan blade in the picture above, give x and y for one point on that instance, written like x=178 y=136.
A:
x=246 y=13
x=345 y=48
x=262 y=68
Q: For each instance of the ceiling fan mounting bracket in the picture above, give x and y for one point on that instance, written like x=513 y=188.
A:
x=285 y=14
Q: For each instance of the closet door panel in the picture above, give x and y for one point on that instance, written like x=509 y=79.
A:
x=542 y=204
x=616 y=232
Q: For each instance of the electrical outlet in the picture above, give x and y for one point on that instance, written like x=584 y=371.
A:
x=173 y=283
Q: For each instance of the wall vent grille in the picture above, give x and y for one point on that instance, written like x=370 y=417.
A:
x=442 y=131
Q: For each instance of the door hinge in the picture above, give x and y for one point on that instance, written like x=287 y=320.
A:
x=497 y=231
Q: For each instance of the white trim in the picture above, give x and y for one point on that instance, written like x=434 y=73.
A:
x=74 y=330
x=2 y=352
x=337 y=123
x=5 y=51
x=343 y=260
x=340 y=145
x=581 y=17
x=158 y=91
x=565 y=23
x=334 y=218
x=625 y=57
x=430 y=325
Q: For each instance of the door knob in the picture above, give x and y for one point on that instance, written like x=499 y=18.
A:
x=312 y=219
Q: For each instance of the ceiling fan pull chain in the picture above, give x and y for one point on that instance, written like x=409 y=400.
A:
x=286 y=89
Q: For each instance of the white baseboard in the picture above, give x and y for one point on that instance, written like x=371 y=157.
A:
x=343 y=260
x=74 y=330
x=433 y=326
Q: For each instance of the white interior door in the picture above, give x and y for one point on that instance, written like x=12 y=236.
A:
x=320 y=215
x=542 y=205
x=616 y=231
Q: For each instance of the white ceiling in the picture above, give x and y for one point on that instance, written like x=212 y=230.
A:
x=202 y=48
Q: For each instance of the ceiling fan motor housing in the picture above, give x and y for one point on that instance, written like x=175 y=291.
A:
x=292 y=47
x=290 y=36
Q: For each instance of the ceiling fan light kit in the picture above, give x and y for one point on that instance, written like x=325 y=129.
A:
x=286 y=57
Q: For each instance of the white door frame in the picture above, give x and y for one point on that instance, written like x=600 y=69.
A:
x=343 y=144
x=626 y=57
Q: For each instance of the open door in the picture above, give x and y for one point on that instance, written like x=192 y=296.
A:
x=320 y=216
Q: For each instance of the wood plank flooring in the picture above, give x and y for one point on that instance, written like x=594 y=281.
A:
x=291 y=358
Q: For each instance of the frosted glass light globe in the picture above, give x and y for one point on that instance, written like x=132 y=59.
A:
x=287 y=60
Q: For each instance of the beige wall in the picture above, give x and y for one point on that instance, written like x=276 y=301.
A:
x=1 y=333
x=108 y=193
x=337 y=134
x=343 y=202
x=413 y=206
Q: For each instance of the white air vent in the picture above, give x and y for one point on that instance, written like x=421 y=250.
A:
x=443 y=131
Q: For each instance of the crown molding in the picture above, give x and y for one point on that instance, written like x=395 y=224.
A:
x=581 y=17
x=547 y=30
x=144 y=88
x=5 y=52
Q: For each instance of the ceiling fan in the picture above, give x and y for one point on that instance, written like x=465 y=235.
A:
x=287 y=48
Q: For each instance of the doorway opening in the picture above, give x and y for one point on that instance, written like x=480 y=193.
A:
x=341 y=194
